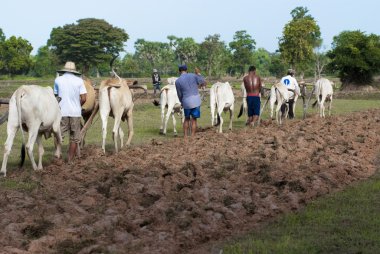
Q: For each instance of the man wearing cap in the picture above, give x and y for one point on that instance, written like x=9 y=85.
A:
x=156 y=80
x=72 y=92
x=293 y=88
x=187 y=91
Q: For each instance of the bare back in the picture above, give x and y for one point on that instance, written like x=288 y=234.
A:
x=252 y=83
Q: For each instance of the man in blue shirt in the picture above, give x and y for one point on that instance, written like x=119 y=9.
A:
x=187 y=91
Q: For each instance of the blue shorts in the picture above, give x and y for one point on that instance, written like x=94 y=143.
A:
x=193 y=112
x=253 y=104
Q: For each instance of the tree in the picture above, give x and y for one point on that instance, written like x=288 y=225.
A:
x=277 y=67
x=242 y=50
x=211 y=53
x=356 y=56
x=2 y=36
x=262 y=61
x=15 y=56
x=185 y=49
x=46 y=63
x=88 y=43
x=300 y=36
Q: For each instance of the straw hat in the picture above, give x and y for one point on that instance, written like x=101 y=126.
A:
x=69 y=67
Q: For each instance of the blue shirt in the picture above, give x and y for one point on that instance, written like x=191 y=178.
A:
x=187 y=90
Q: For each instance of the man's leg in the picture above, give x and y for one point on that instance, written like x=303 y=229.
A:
x=193 y=126
x=72 y=151
x=186 y=127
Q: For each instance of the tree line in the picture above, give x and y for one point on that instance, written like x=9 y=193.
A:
x=92 y=44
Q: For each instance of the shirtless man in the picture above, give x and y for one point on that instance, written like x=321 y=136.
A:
x=252 y=84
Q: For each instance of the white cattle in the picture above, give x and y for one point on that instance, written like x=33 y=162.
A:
x=278 y=93
x=115 y=100
x=323 y=92
x=169 y=99
x=35 y=110
x=221 y=99
x=244 y=106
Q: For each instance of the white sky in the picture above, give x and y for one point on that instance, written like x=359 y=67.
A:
x=154 y=20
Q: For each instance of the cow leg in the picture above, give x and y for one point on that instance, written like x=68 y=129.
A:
x=33 y=133
x=7 y=149
x=231 y=117
x=221 y=121
x=57 y=140
x=174 y=124
x=130 y=125
x=162 y=119
x=322 y=108
x=168 y=113
x=115 y=131
x=121 y=135
x=278 y=115
x=104 y=113
x=330 y=103
x=41 y=151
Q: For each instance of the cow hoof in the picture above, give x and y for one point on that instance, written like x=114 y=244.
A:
x=2 y=174
x=175 y=134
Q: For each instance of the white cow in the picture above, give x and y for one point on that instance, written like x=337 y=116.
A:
x=323 y=92
x=222 y=99
x=115 y=100
x=35 y=110
x=278 y=93
x=169 y=99
x=244 y=106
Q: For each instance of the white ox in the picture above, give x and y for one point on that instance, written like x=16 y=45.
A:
x=222 y=99
x=278 y=93
x=323 y=92
x=169 y=99
x=274 y=99
x=35 y=110
x=244 y=106
x=115 y=99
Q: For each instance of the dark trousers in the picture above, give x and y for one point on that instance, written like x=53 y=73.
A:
x=290 y=105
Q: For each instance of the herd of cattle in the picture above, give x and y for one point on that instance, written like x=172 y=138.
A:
x=35 y=109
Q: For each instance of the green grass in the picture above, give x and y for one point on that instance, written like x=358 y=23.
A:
x=344 y=222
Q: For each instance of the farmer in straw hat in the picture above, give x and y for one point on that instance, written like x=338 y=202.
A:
x=72 y=92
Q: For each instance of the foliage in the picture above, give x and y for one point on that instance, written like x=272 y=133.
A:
x=15 y=56
x=300 y=36
x=46 y=63
x=212 y=53
x=278 y=67
x=2 y=35
x=185 y=49
x=262 y=61
x=88 y=43
x=356 y=56
x=242 y=50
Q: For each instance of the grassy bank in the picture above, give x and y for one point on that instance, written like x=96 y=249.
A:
x=344 y=222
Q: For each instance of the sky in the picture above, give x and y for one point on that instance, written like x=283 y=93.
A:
x=152 y=20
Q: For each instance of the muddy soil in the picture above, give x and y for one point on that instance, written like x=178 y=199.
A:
x=177 y=196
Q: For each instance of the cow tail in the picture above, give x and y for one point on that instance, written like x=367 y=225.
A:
x=217 y=110
x=18 y=106
x=241 y=111
x=314 y=104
